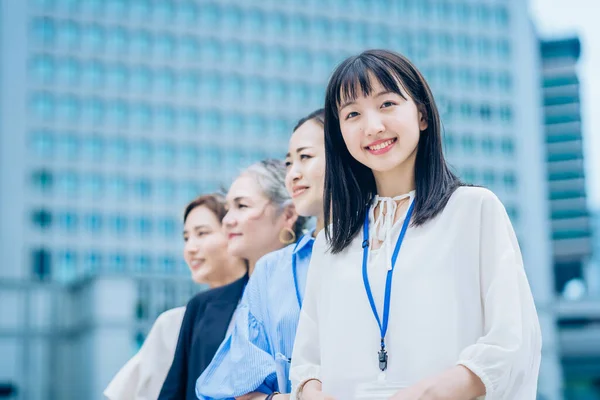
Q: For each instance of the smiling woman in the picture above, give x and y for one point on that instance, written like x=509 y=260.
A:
x=207 y=314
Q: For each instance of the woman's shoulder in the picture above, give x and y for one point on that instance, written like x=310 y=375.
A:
x=471 y=196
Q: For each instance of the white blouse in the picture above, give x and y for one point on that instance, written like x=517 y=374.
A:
x=144 y=374
x=459 y=296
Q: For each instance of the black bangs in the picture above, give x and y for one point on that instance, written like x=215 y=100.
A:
x=353 y=78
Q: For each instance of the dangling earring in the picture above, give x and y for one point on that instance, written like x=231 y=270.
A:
x=287 y=236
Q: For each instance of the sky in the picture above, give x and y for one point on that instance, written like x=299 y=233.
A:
x=555 y=18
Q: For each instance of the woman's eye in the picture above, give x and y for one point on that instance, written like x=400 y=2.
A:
x=305 y=157
x=387 y=104
x=351 y=115
x=288 y=164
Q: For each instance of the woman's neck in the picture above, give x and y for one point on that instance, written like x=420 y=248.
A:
x=396 y=182
x=235 y=271
x=320 y=225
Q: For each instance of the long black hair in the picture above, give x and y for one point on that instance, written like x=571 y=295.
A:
x=350 y=185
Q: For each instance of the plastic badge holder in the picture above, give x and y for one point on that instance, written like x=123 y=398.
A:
x=378 y=390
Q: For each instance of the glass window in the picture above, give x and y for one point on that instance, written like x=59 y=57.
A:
x=299 y=26
x=188 y=83
x=485 y=79
x=508 y=146
x=68 y=34
x=41 y=219
x=68 y=71
x=484 y=14
x=164 y=10
x=468 y=144
x=465 y=77
x=93 y=111
x=505 y=81
x=168 y=264
x=93 y=185
x=42 y=180
x=43 y=105
x=117 y=112
x=210 y=85
x=141 y=79
x=211 y=158
x=279 y=90
x=300 y=93
x=320 y=28
x=68 y=183
x=256 y=88
x=188 y=12
x=489 y=177
x=233 y=125
x=466 y=110
x=277 y=58
x=93 y=222
x=142 y=263
x=68 y=146
x=68 y=221
x=233 y=87
x=93 y=147
x=42 y=143
x=503 y=49
x=166 y=153
x=210 y=51
x=143 y=226
x=66 y=270
x=68 y=108
x=210 y=14
x=168 y=228
x=43 y=69
x=117 y=262
x=143 y=188
x=485 y=112
x=141 y=115
x=277 y=24
x=92 y=262
x=232 y=17
x=117 y=76
x=506 y=113
x=510 y=180
x=255 y=55
x=256 y=126
x=301 y=61
x=41 y=264
x=502 y=16
x=165 y=117
x=190 y=154
x=117 y=7
x=189 y=48
x=117 y=187
x=484 y=46
x=166 y=190
x=464 y=44
x=463 y=12
x=117 y=149
x=469 y=175
x=141 y=152
x=165 y=80
x=423 y=8
x=191 y=190
x=116 y=40
x=487 y=145
x=141 y=43
x=210 y=122
x=340 y=30
x=118 y=224
x=92 y=74
x=43 y=31
x=449 y=141
x=189 y=119
x=93 y=37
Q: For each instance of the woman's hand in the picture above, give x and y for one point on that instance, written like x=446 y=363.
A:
x=312 y=391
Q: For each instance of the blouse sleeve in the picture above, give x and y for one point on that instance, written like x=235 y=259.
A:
x=510 y=349
x=244 y=362
x=306 y=357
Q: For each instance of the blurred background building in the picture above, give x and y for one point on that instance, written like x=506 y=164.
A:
x=115 y=113
x=576 y=275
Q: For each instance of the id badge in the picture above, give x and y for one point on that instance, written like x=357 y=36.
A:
x=282 y=368
x=380 y=389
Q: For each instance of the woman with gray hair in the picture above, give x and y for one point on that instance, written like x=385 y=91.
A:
x=260 y=219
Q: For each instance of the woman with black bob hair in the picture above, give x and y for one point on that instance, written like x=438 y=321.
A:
x=417 y=289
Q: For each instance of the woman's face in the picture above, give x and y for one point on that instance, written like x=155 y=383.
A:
x=205 y=249
x=252 y=223
x=305 y=163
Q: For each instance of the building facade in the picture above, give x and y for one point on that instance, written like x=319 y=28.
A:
x=116 y=113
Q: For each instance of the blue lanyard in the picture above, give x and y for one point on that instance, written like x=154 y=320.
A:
x=295 y=273
x=383 y=358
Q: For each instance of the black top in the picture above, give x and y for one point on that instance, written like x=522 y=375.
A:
x=205 y=322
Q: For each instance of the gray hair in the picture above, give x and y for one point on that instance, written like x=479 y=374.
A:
x=270 y=176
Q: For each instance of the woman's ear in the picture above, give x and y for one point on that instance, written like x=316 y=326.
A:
x=423 y=123
x=290 y=216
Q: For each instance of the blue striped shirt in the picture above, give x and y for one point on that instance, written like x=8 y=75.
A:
x=255 y=356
